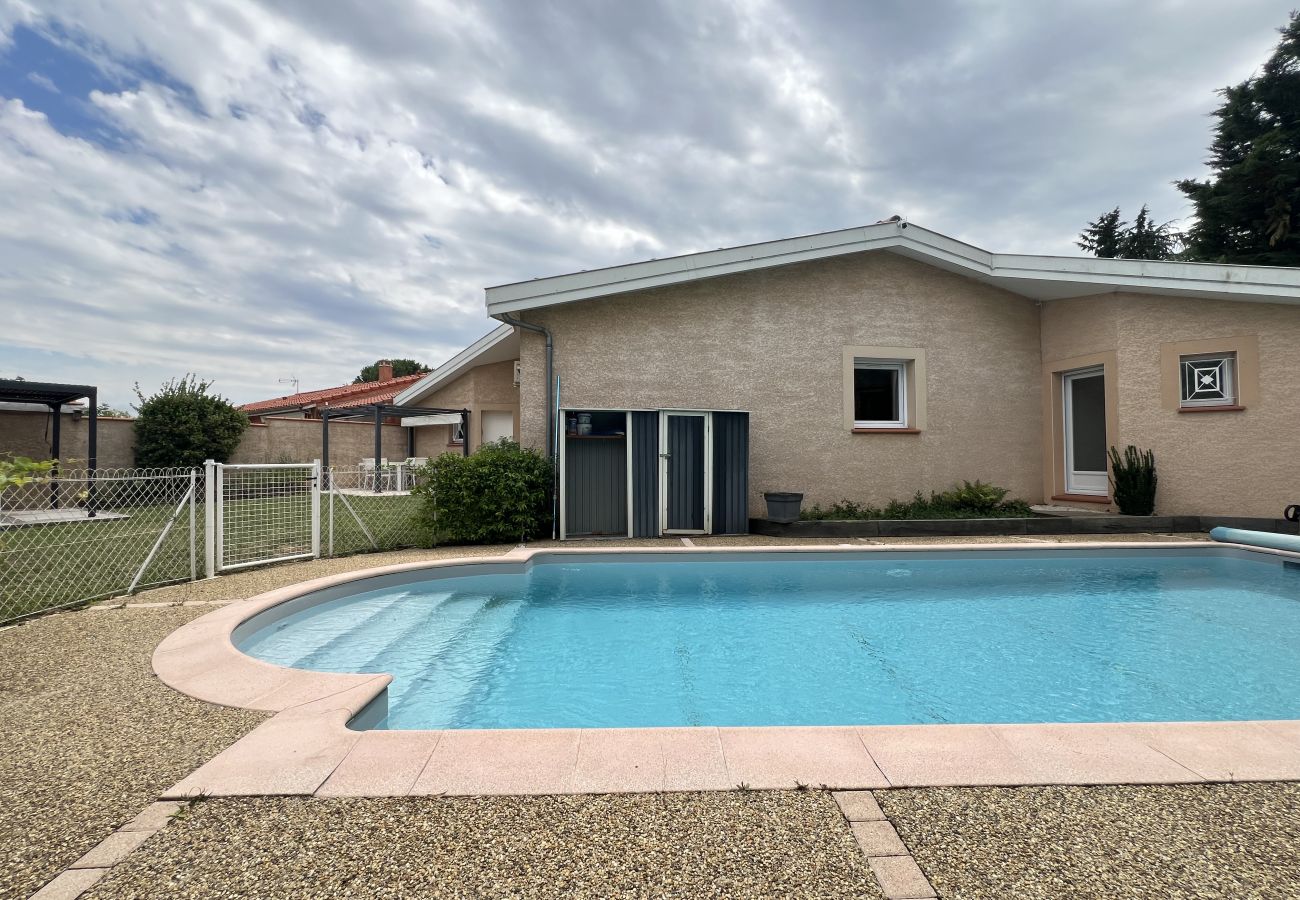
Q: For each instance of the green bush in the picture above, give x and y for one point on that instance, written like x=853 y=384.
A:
x=183 y=425
x=498 y=494
x=1133 y=480
x=976 y=498
x=969 y=501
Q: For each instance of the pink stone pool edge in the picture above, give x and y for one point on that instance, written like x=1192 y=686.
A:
x=306 y=748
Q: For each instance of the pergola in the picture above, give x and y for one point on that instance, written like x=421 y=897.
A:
x=425 y=415
x=55 y=396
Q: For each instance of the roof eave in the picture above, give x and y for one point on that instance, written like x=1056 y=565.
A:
x=460 y=363
x=1038 y=277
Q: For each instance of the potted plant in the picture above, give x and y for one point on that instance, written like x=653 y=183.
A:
x=783 y=506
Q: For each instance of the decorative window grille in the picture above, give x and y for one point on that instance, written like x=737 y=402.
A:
x=1208 y=379
x=879 y=393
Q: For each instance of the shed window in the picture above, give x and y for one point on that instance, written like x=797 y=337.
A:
x=1208 y=379
x=879 y=393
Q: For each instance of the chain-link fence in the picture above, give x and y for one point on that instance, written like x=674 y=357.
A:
x=80 y=536
x=365 y=509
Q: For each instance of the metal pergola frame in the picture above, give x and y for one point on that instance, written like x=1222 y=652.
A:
x=378 y=412
x=55 y=396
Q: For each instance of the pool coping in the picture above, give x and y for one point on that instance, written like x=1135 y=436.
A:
x=307 y=748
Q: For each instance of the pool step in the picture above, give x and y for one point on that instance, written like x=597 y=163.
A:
x=406 y=653
x=322 y=630
x=391 y=617
x=448 y=679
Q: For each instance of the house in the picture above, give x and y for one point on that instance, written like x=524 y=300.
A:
x=484 y=379
x=309 y=404
x=874 y=362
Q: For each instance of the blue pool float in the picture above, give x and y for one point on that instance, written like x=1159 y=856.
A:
x=1257 y=538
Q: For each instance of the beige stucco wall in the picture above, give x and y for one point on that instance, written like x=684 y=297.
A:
x=28 y=434
x=488 y=387
x=1242 y=462
x=771 y=342
x=1230 y=463
x=279 y=440
x=299 y=440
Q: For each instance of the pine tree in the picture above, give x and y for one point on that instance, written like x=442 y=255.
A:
x=1146 y=240
x=1111 y=237
x=1246 y=212
x=1104 y=236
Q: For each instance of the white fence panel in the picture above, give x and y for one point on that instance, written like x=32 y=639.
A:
x=263 y=514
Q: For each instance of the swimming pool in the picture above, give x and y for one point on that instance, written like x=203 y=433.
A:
x=965 y=636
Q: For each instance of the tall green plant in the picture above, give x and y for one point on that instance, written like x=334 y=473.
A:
x=183 y=425
x=499 y=494
x=1133 y=480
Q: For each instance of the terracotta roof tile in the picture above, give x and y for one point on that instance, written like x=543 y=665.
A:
x=344 y=395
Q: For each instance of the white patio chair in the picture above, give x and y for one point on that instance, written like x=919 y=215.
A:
x=406 y=468
x=368 y=472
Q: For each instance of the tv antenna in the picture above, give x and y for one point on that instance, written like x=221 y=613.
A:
x=290 y=380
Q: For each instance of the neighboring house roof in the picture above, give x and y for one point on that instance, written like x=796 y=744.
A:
x=1037 y=277
x=335 y=397
x=499 y=345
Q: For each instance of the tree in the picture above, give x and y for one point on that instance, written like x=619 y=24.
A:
x=1246 y=211
x=183 y=425
x=1111 y=237
x=400 y=367
x=104 y=411
x=1103 y=237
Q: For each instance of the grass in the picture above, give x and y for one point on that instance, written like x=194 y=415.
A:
x=49 y=566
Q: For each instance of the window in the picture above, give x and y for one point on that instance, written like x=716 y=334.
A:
x=458 y=433
x=879 y=393
x=1208 y=379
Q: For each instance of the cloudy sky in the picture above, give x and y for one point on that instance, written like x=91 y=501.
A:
x=252 y=191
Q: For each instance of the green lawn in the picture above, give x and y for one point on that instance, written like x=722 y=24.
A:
x=49 y=566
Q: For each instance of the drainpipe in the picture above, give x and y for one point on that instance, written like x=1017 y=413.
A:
x=550 y=410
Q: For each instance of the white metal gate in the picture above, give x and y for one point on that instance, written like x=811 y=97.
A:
x=258 y=514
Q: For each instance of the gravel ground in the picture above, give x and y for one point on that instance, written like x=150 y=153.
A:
x=90 y=735
x=733 y=844
x=1192 y=841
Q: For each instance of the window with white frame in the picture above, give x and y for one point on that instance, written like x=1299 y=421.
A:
x=1208 y=379
x=879 y=393
x=458 y=433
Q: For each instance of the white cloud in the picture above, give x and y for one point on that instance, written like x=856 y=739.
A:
x=304 y=187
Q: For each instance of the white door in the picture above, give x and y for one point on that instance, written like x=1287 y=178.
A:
x=498 y=424
x=1084 y=403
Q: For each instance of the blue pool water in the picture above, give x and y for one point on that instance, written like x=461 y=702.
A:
x=772 y=640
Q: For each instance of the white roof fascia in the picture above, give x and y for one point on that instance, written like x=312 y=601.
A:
x=460 y=363
x=1039 y=277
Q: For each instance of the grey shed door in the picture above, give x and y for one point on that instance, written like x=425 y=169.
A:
x=645 y=474
x=595 y=479
x=730 y=473
x=685 y=487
